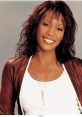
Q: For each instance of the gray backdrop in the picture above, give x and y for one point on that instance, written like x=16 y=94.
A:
x=12 y=16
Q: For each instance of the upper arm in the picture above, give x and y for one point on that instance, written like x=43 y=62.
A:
x=7 y=99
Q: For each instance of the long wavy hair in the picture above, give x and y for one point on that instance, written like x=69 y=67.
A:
x=27 y=44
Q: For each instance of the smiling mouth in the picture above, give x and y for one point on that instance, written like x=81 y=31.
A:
x=48 y=40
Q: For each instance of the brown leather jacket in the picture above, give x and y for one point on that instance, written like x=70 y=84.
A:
x=12 y=78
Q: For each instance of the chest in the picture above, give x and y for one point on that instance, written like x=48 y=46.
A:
x=48 y=98
x=45 y=73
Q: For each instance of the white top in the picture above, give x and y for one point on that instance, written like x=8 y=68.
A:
x=51 y=97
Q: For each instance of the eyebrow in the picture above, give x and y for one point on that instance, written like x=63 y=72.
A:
x=46 y=19
x=59 y=24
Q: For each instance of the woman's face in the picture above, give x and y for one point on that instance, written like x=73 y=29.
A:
x=50 y=31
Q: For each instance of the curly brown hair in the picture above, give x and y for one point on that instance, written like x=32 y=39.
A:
x=28 y=42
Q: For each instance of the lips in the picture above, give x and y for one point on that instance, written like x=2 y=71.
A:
x=48 y=40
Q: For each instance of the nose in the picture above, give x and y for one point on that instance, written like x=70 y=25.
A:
x=50 y=31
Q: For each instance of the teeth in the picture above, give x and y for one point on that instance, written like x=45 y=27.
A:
x=49 y=41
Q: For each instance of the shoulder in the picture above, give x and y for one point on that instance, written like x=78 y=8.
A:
x=14 y=66
x=77 y=61
x=17 y=61
x=74 y=62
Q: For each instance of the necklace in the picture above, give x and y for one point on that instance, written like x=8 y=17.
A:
x=47 y=73
x=42 y=92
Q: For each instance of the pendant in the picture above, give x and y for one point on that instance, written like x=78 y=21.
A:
x=42 y=97
x=42 y=92
x=41 y=89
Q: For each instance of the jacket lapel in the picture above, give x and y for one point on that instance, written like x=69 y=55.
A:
x=74 y=76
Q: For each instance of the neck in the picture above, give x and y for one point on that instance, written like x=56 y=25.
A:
x=46 y=58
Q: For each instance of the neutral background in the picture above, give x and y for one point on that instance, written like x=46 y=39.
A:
x=12 y=16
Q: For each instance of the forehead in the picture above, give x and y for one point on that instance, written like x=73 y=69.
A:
x=51 y=15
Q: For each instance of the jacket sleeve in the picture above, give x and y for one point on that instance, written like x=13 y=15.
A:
x=7 y=96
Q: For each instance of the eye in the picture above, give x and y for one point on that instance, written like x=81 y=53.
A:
x=45 y=24
x=60 y=29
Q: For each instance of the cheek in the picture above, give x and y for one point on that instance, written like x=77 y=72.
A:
x=40 y=32
x=59 y=39
x=60 y=36
x=38 y=35
x=41 y=29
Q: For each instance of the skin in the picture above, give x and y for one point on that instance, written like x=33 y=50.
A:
x=50 y=33
x=50 y=28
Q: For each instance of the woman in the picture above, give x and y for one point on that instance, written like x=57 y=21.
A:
x=44 y=76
